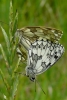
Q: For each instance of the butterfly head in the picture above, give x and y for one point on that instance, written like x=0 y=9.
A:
x=30 y=73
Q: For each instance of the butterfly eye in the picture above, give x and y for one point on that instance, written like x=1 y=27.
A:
x=32 y=79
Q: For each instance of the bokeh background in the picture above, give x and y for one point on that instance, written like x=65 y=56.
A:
x=48 y=13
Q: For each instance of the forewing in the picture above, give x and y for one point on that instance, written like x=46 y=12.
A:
x=33 y=33
x=43 y=54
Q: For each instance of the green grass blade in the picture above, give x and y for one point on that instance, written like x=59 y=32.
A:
x=15 y=23
x=4 y=80
x=6 y=39
x=10 y=20
x=14 y=87
x=5 y=58
x=14 y=45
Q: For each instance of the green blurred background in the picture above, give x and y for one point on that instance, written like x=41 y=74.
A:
x=48 y=13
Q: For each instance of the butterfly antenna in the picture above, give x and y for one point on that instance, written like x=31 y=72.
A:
x=40 y=86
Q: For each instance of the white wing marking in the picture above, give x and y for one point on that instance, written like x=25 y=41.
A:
x=43 y=55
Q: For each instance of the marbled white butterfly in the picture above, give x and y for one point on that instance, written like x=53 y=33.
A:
x=41 y=46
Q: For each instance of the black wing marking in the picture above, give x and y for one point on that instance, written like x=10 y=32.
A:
x=43 y=54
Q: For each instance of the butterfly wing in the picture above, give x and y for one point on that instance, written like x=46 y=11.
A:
x=33 y=33
x=43 y=54
x=28 y=35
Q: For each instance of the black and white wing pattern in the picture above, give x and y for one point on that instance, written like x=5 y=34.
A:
x=33 y=33
x=43 y=54
x=28 y=35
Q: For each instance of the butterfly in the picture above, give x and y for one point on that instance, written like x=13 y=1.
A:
x=28 y=35
x=40 y=47
x=42 y=54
